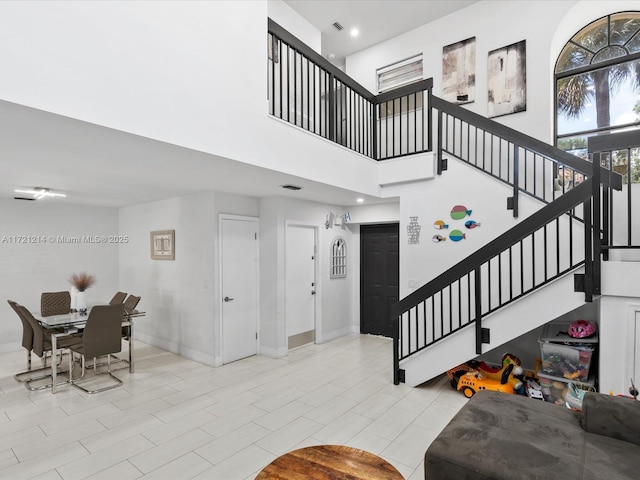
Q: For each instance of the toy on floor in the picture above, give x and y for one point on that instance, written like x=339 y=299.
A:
x=534 y=390
x=496 y=373
x=473 y=381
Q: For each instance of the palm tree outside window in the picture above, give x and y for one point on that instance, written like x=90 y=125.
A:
x=597 y=79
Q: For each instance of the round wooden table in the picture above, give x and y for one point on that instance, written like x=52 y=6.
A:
x=324 y=462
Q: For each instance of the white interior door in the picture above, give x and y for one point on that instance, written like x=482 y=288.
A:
x=300 y=287
x=239 y=280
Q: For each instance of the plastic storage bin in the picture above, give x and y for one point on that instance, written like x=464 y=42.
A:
x=564 y=356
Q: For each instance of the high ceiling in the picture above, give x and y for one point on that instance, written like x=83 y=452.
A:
x=100 y=166
x=376 y=20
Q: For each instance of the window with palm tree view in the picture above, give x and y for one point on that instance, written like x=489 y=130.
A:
x=597 y=79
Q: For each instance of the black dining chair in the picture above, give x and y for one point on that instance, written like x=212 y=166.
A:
x=55 y=303
x=101 y=337
x=118 y=298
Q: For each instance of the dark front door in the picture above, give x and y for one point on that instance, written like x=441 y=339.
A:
x=379 y=277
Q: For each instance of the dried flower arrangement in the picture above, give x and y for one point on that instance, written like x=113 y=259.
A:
x=82 y=280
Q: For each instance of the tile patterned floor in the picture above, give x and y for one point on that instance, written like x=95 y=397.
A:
x=178 y=419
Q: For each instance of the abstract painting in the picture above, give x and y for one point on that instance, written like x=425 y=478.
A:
x=459 y=71
x=507 y=80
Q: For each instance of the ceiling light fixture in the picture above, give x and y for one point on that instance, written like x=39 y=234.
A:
x=40 y=192
x=360 y=200
x=355 y=32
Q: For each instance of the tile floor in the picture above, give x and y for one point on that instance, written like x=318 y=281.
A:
x=178 y=419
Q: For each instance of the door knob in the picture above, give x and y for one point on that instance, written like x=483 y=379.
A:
x=228 y=299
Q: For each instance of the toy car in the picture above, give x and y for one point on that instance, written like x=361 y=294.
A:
x=471 y=382
x=534 y=390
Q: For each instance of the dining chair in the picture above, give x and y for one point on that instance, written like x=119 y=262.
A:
x=55 y=303
x=118 y=298
x=130 y=305
x=27 y=343
x=42 y=345
x=101 y=337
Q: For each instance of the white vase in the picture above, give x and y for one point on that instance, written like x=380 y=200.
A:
x=81 y=302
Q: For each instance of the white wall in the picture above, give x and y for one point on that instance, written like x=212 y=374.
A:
x=189 y=73
x=180 y=296
x=43 y=262
x=334 y=313
x=546 y=25
x=289 y=19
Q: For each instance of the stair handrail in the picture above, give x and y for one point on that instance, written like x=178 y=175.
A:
x=583 y=193
x=544 y=216
x=518 y=138
x=547 y=214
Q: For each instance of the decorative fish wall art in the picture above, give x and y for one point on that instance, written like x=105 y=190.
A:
x=440 y=225
x=457 y=235
x=458 y=212
x=470 y=224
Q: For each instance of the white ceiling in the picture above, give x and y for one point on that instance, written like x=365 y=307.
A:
x=377 y=20
x=100 y=166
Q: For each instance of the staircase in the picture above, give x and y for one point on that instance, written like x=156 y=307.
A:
x=488 y=298
x=549 y=263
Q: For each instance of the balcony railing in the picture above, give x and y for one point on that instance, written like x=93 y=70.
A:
x=306 y=90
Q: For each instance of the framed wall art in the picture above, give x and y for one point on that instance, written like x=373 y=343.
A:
x=459 y=71
x=163 y=245
x=507 y=80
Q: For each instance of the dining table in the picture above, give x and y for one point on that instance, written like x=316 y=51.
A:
x=70 y=323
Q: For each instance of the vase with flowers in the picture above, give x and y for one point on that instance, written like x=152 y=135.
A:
x=81 y=281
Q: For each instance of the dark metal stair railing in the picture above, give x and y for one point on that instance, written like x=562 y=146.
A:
x=306 y=90
x=507 y=268
x=617 y=221
x=535 y=252
x=525 y=163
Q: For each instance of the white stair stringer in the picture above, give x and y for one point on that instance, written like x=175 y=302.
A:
x=522 y=316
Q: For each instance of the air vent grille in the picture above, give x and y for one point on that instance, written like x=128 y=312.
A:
x=338 y=26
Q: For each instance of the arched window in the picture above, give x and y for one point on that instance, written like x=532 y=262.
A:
x=597 y=79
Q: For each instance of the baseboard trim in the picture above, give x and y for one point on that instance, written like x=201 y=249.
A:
x=189 y=353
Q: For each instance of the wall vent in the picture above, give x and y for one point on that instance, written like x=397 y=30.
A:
x=338 y=26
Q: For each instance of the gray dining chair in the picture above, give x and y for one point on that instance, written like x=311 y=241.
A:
x=55 y=303
x=27 y=343
x=42 y=345
x=101 y=337
x=131 y=303
x=118 y=298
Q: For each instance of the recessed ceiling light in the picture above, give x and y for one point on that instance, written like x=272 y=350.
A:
x=355 y=32
x=360 y=200
x=40 y=192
